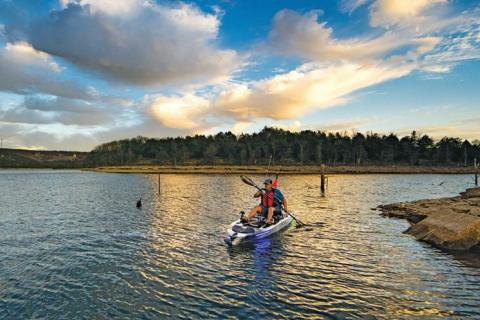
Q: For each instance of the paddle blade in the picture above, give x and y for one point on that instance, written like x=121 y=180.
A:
x=247 y=180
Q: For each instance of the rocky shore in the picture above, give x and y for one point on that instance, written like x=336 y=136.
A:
x=448 y=223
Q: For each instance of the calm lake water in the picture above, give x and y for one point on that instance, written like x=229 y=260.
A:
x=73 y=245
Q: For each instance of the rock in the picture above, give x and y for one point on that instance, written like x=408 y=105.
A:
x=470 y=193
x=447 y=230
x=402 y=211
x=448 y=223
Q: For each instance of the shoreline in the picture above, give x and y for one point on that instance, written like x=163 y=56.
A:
x=236 y=169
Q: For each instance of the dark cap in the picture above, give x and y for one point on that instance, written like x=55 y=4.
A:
x=267 y=181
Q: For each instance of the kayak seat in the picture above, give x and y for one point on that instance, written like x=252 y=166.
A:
x=277 y=215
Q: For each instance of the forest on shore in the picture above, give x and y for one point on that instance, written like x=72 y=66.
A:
x=270 y=145
x=281 y=147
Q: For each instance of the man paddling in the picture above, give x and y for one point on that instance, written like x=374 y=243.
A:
x=272 y=200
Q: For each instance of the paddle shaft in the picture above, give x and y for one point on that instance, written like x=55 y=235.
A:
x=294 y=218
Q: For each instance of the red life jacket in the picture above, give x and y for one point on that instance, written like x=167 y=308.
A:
x=268 y=199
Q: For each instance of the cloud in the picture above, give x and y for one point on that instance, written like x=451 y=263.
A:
x=23 y=53
x=139 y=42
x=34 y=139
x=112 y=7
x=20 y=115
x=149 y=127
x=35 y=110
x=462 y=128
x=31 y=73
x=434 y=42
x=437 y=68
x=426 y=44
x=183 y=112
x=345 y=125
x=59 y=104
x=390 y=12
x=25 y=70
x=303 y=36
x=351 y=5
x=282 y=97
x=8 y=130
x=240 y=127
x=462 y=43
x=338 y=69
x=54 y=130
x=295 y=126
x=307 y=88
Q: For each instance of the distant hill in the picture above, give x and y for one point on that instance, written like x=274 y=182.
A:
x=18 y=158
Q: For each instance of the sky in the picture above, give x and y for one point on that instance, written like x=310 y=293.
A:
x=78 y=73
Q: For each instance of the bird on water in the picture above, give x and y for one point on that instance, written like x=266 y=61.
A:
x=139 y=203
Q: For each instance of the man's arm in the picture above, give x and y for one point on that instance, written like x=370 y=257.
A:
x=281 y=198
x=284 y=202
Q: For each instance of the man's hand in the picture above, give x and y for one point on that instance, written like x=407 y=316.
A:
x=258 y=194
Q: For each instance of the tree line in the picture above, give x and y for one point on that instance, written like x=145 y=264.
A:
x=288 y=148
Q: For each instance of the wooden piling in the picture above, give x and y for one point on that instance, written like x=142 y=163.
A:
x=322 y=178
x=159 y=183
x=476 y=171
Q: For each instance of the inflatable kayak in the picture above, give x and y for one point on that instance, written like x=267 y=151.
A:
x=240 y=232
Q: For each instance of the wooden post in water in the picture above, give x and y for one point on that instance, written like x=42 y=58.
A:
x=159 y=183
x=322 y=178
x=476 y=171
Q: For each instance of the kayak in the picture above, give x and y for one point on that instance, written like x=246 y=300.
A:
x=239 y=232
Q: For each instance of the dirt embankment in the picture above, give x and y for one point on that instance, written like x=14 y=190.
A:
x=448 y=223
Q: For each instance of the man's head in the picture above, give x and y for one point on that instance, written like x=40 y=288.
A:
x=268 y=184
